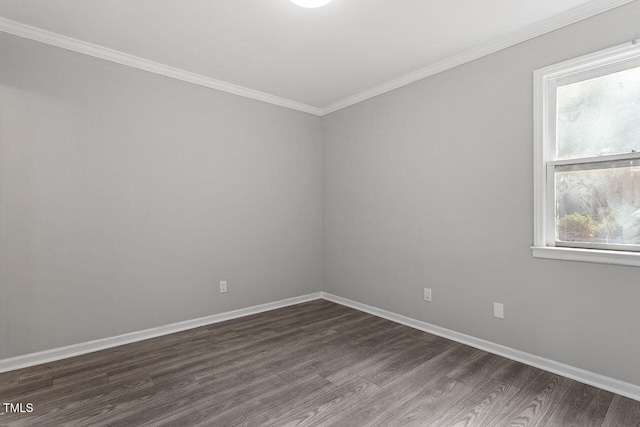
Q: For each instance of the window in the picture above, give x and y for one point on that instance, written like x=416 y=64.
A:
x=587 y=158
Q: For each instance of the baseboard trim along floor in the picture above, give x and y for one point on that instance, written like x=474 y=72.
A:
x=47 y=356
x=606 y=383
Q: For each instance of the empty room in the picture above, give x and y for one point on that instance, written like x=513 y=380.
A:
x=319 y=213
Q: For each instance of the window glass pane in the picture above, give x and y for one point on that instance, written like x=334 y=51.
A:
x=598 y=202
x=599 y=116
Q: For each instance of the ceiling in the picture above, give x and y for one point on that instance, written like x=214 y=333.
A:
x=319 y=58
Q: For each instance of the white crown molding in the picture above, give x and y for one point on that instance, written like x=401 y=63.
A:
x=613 y=385
x=47 y=356
x=54 y=39
x=527 y=33
x=567 y=18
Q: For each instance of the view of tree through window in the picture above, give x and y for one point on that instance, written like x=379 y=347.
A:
x=599 y=202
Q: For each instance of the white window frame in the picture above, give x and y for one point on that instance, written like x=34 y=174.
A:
x=545 y=82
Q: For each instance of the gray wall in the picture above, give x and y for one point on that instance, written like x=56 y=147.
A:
x=431 y=186
x=126 y=196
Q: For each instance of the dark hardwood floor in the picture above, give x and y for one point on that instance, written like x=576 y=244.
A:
x=316 y=363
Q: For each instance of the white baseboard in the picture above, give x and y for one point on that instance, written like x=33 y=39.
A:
x=101 y=344
x=606 y=383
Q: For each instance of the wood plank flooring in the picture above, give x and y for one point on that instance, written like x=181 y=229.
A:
x=312 y=364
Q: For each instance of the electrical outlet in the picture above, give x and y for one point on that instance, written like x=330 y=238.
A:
x=498 y=310
x=427 y=294
x=223 y=286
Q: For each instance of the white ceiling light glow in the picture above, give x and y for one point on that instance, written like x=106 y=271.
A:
x=310 y=3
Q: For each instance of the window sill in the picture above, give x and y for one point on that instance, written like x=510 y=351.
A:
x=587 y=255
